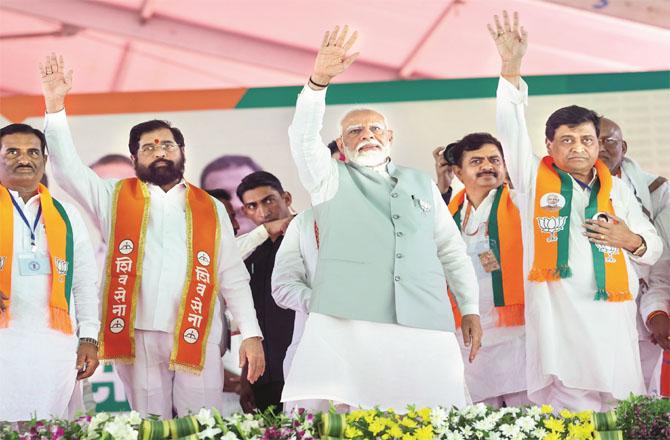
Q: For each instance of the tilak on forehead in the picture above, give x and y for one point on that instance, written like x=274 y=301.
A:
x=157 y=141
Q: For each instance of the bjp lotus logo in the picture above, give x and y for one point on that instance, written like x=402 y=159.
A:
x=551 y=226
x=609 y=251
x=61 y=266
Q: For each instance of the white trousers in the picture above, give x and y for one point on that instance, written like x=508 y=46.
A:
x=152 y=388
x=37 y=373
x=561 y=397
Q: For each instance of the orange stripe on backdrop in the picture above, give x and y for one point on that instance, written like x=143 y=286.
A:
x=18 y=108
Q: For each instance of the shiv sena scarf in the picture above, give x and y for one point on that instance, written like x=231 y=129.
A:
x=504 y=230
x=551 y=229
x=124 y=271
x=61 y=251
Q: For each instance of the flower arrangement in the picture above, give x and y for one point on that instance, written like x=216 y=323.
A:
x=636 y=418
x=473 y=422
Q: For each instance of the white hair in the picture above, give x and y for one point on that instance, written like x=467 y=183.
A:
x=363 y=109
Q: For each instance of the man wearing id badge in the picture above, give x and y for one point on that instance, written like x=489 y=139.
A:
x=489 y=221
x=48 y=286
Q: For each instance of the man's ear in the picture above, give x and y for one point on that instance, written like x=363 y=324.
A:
x=458 y=171
x=547 y=142
x=133 y=159
x=624 y=148
x=288 y=198
x=340 y=144
x=390 y=132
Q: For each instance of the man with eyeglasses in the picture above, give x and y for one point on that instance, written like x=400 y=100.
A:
x=653 y=194
x=171 y=262
x=379 y=311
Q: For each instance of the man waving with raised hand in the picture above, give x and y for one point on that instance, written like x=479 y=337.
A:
x=379 y=309
x=171 y=262
x=582 y=230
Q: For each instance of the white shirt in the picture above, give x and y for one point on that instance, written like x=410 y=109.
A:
x=30 y=294
x=319 y=175
x=295 y=265
x=657 y=277
x=587 y=344
x=495 y=370
x=165 y=251
x=247 y=243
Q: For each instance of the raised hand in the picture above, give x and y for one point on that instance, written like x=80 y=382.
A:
x=332 y=58
x=512 y=42
x=56 y=82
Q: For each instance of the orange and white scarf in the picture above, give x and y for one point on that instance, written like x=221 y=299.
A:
x=61 y=252
x=124 y=271
x=504 y=231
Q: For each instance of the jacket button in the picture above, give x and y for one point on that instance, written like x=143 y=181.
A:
x=395 y=216
x=397 y=278
x=394 y=195
x=398 y=255
x=399 y=234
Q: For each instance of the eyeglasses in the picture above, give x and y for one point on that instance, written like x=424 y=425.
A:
x=167 y=147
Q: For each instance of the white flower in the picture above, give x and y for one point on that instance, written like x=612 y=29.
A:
x=486 y=424
x=247 y=425
x=495 y=436
x=229 y=436
x=467 y=431
x=540 y=433
x=480 y=409
x=121 y=431
x=438 y=416
x=508 y=430
x=134 y=418
x=525 y=423
x=208 y=433
x=454 y=436
x=204 y=417
x=534 y=411
x=101 y=417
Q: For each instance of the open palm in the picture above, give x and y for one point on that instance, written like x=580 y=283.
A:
x=56 y=83
x=511 y=40
x=332 y=58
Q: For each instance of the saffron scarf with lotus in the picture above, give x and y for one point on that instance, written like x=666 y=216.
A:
x=551 y=230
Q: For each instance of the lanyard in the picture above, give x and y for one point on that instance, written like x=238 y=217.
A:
x=32 y=230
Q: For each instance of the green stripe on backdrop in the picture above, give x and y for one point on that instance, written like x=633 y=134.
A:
x=471 y=88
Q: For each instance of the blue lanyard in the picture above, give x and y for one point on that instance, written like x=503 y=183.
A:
x=25 y=220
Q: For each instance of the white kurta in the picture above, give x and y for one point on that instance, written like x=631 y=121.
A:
x=495 y=370
x=585 y=344
x=37 y=364
x=165 y=250
x=295 y=265
x=655 y=280
x=354 y=362
x=163 y=273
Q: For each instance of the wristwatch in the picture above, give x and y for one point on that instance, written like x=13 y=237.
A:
x=641 y=249
x=89 y=341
